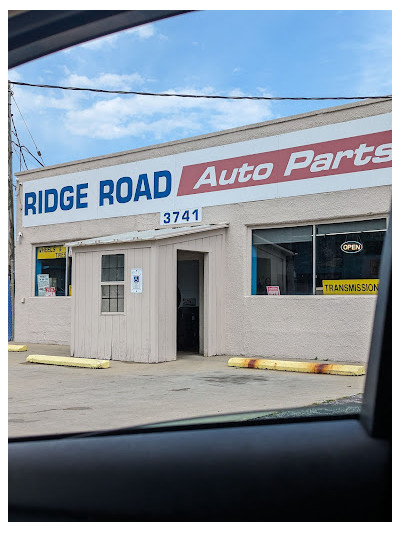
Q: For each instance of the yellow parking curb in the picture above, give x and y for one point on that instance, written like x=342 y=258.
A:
x=68 y=361
x=17 y=348
x=296 y=366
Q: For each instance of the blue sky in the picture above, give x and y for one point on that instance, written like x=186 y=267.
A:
x=271 y=53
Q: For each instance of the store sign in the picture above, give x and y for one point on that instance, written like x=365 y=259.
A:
x=334 y=157
x=136 y=280
x=273 y=290
x=350 y=286
x=43 y=282
x=50 y=291
x=351 y=247
x=51 y=252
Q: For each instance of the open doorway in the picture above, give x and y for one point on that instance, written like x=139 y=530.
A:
x=189 y=322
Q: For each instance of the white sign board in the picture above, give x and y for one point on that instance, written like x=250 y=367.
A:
x=50 y=291
x=136 y=280
x=342 y=156
x=43 y=281
x=273 y=290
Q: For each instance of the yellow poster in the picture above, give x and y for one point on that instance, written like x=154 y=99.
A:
x=350 y=286
x=51 y=252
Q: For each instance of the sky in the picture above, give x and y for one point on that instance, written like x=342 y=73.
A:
x=256 y=53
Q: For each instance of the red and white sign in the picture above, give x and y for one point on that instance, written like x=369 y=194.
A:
x=341 y=156
x=334 y=157
x=273 y=290
x=49 y=291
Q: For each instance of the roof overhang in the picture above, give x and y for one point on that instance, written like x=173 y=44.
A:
x=147 y=235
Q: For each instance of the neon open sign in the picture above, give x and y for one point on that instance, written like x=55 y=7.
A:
x=351 y=247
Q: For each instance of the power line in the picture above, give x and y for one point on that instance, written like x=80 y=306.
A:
x=210 y=96
x=30 y=153
x=19 y=143
x=37 y=149
x=22 y=146
x=20 y=156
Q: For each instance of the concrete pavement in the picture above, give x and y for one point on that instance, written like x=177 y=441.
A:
x=51 y=399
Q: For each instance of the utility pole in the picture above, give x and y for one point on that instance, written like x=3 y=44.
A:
x=11 y=248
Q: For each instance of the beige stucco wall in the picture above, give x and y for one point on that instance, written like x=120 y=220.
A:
x=335 y=327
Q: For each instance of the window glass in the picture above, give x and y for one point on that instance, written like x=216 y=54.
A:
x=283 y=260
x=112 y=295
x=53 y=271
x=112 y=267
x=282 y=257
x=346 y=227
x=350 y=256
x=112 y=298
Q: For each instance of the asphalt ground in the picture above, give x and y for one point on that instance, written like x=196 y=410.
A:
x=48 y=399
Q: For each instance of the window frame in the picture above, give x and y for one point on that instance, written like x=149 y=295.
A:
x=35 y=246
x=115 y=283
x=314 y=224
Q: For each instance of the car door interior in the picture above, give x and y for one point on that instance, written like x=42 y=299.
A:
x=331 y=468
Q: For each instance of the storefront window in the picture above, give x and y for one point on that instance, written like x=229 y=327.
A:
x=343 y=258
x=282 y=261
x=53 y=271
x=349 y=252
x=112 y=294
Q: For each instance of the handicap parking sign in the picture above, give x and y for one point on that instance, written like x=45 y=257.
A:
x=136 y=280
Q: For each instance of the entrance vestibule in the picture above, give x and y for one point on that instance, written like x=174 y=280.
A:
x=190 y=302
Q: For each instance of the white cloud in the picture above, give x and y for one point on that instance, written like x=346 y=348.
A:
x=163 y=117
x=376 y=66
x=96 y=44
x=152 y=119
x=111 y=81
x=33 y=103
x=373 y=56
x=14 y=75
x=142 y=32
x=110 y=41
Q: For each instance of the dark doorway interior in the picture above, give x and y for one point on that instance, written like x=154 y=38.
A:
x=188 y=301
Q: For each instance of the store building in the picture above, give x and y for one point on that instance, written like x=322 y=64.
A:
x=261 y=241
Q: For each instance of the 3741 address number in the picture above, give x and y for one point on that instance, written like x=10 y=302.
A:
x=181 y=216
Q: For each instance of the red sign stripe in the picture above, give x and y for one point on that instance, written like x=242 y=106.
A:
x=322 y=165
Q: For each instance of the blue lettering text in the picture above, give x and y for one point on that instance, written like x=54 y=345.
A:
x=30 y=204
x=106 y=195
x=123 y=199
x=146 y=191
x=66 y=203
x=80 y=195
x=47 y=195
